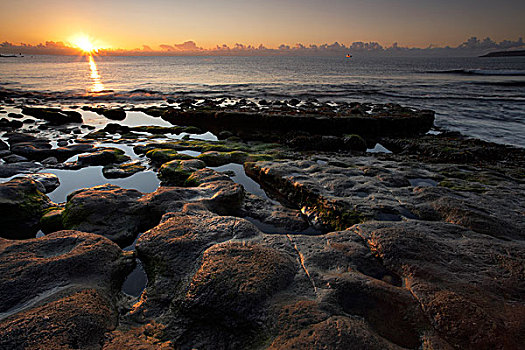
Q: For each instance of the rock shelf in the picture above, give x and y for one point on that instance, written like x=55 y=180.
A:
x=337 y=248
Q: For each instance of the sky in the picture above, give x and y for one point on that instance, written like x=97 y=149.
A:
x=129 y=24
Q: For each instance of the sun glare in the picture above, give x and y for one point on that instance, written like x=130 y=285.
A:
x=84 y=43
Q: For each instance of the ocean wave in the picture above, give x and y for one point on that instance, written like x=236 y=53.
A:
x=483 y=72
x=501 y=83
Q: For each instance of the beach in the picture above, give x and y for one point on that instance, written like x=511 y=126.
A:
x=262 y=214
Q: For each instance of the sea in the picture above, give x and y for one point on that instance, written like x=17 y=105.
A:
x=479 y=97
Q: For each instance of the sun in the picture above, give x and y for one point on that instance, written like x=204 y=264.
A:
x=84 y=43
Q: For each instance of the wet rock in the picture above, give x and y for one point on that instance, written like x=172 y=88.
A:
x=14 y=158
x=392 y=120
x=8 y=170
x=103 y=156
x=49 y=182
x=114 y=114
x=22 y=205
x=50 y=161
x=113 y=128
x=57 y=291
x=39 y=149
x=161 y=156
x=173 y=174
x=52 y=220
x=10 y=124
x=53 y=115
x=457 y=149
x=213 y=158
x=15 y=115
x=3 y=146
x=122 y=170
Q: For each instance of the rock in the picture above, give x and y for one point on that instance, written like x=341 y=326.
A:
x=233 y=281
x=305 y=325
x=15 y=115
x=144 y=337
x=469 y=285
x=49 y=182
x=52 y=220
x=172 y=174
x=14 y=158
x=62 y=143
x=108 y=210
x=57 y=291
x=213 y=158
x=391 y=120
x=113 y=128
x=271 y=217
x=103 y=156
x=50 y=161
x=114 y=114
x=192 y=165
x=355 y=142
x=161 y=156
x=40 y=149
x=171 y=254
x=53 y=115
x=3 y=146
x=113 y=171
x=8 y=170
x=22 y=205
x=10 y=124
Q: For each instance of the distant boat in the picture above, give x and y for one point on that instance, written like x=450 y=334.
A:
x=348 y=56
x=11 y=55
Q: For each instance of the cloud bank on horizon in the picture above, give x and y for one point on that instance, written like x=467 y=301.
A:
x=472 y=46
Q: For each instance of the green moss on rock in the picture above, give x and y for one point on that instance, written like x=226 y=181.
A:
x=172 y=174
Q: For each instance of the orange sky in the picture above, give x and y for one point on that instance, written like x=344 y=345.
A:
x=131 y=23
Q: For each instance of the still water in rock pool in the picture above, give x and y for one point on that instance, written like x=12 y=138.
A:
x=72 y=180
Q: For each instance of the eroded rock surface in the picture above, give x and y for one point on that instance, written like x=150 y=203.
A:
x=62 y=288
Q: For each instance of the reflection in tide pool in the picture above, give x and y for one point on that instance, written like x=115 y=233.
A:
x=72 y=180
x=241 y=178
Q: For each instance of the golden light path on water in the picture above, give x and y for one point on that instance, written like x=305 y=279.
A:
x=95 y=77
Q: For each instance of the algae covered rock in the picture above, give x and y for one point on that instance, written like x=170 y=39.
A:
x=51 y=221
x=113 y=171
x=177 y=173
x=214 y=158
x=22 y=204
x=103 y=156
x=161 y=155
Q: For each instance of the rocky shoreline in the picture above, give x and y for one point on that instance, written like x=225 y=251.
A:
x=268 y=225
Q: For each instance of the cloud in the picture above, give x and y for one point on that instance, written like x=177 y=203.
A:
x=471 y=47
x=187 y=46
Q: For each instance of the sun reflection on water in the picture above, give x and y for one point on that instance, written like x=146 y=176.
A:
x=95 y=77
